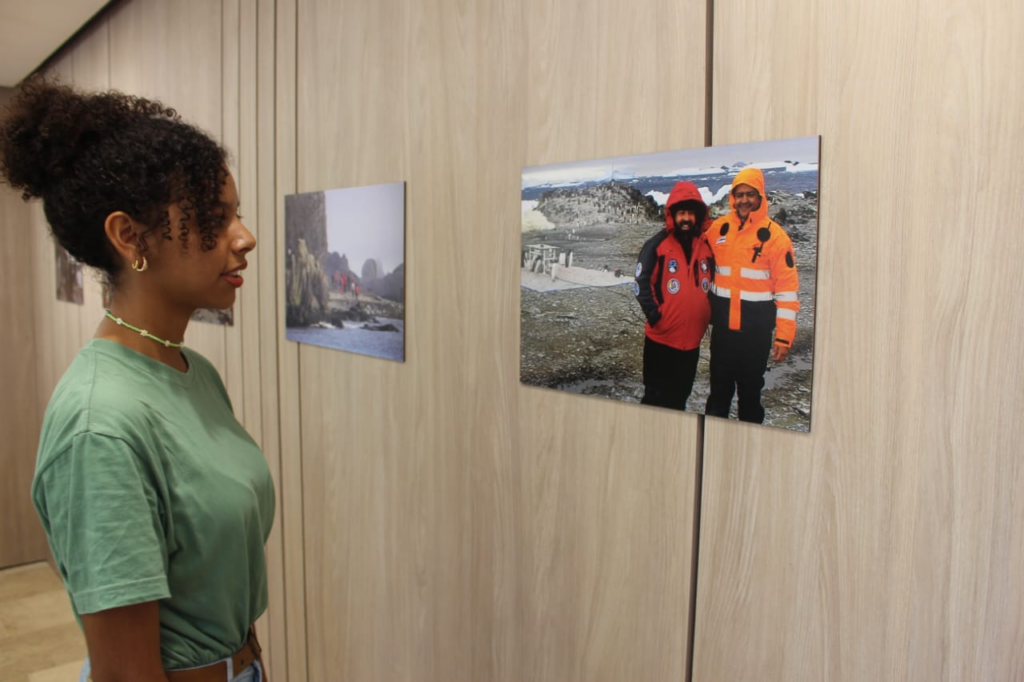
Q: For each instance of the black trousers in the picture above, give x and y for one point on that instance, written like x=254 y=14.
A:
x=668 y=374
x=738 y=363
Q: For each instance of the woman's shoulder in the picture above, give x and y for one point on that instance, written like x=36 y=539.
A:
x=91 y=380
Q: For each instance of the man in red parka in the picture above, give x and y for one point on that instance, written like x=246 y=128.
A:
x=673 y=276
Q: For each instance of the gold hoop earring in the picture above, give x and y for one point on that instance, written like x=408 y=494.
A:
x=140 y=268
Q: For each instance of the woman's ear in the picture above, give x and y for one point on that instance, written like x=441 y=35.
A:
x=123 y=234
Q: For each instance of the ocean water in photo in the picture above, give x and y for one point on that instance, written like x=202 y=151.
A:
x=354 y=339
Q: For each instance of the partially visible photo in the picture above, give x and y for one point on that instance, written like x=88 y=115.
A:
x=224 y=317
x=345 y=269
x=69 y=276
x=681 y=280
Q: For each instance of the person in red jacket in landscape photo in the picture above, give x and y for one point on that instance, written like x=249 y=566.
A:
x=673 y=277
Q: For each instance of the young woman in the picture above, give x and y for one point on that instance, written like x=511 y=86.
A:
x=155 y=501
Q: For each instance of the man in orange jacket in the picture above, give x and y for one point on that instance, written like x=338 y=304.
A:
x=673 y=276
x=754 y=293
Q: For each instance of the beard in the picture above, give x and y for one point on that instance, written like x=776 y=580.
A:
x=685 y=227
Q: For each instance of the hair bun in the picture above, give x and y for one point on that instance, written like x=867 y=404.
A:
x=48 y=126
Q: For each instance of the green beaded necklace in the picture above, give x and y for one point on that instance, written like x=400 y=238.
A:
x=145 y=334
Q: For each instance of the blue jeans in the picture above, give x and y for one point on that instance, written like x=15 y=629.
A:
x=254 y=673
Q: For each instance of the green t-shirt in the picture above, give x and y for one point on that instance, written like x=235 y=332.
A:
x=149 y=489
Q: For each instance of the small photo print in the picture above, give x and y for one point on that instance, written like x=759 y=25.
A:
x=224 y=317
x=682 y=280
x=345 y=269
x=69 y=276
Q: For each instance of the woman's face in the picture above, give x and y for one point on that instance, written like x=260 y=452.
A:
x=191 y=278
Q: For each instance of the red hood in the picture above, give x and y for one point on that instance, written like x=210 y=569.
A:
x=686 y=191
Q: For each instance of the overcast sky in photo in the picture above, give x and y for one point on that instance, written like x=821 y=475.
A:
x=367 y=222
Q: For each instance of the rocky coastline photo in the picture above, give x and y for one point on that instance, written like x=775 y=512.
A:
x=345 y=269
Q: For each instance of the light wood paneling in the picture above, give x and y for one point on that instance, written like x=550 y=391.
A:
x=260 y=20
x=459 y=526
x=608 y=489
x=21 y=535
x=887 y=544
x=387 y=470
x=278 y=120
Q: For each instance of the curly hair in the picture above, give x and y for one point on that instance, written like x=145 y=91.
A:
x=87 y=155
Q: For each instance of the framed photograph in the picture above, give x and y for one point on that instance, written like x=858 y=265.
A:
x=682 y=280
x=69 y=276
x=345 y=269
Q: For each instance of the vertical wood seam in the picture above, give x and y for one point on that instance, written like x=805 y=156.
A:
x=709 y=81
x=302 y=473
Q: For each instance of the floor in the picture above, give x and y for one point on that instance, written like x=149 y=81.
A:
x=39 y=639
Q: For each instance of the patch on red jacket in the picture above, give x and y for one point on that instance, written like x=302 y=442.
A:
x=673 y=286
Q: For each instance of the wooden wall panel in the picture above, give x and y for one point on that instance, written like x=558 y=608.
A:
x=608 y=505
x=459 y=526
x=21 y=535
x=373 y=455
x=887 y=544
x=278 y=120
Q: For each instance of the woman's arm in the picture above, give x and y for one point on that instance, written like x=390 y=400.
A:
x=124 y=644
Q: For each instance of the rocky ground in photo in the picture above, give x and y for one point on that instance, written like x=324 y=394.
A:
x=590 y=340
x=346 y=310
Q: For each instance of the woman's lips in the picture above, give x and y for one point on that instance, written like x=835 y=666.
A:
x=234 y=280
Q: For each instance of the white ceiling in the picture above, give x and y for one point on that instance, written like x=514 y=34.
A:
x=32 y=30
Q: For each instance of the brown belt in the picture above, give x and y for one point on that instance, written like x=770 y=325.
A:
x=218 y=672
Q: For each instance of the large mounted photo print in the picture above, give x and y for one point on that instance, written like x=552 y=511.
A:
x=345 y=269
x=680 y=280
